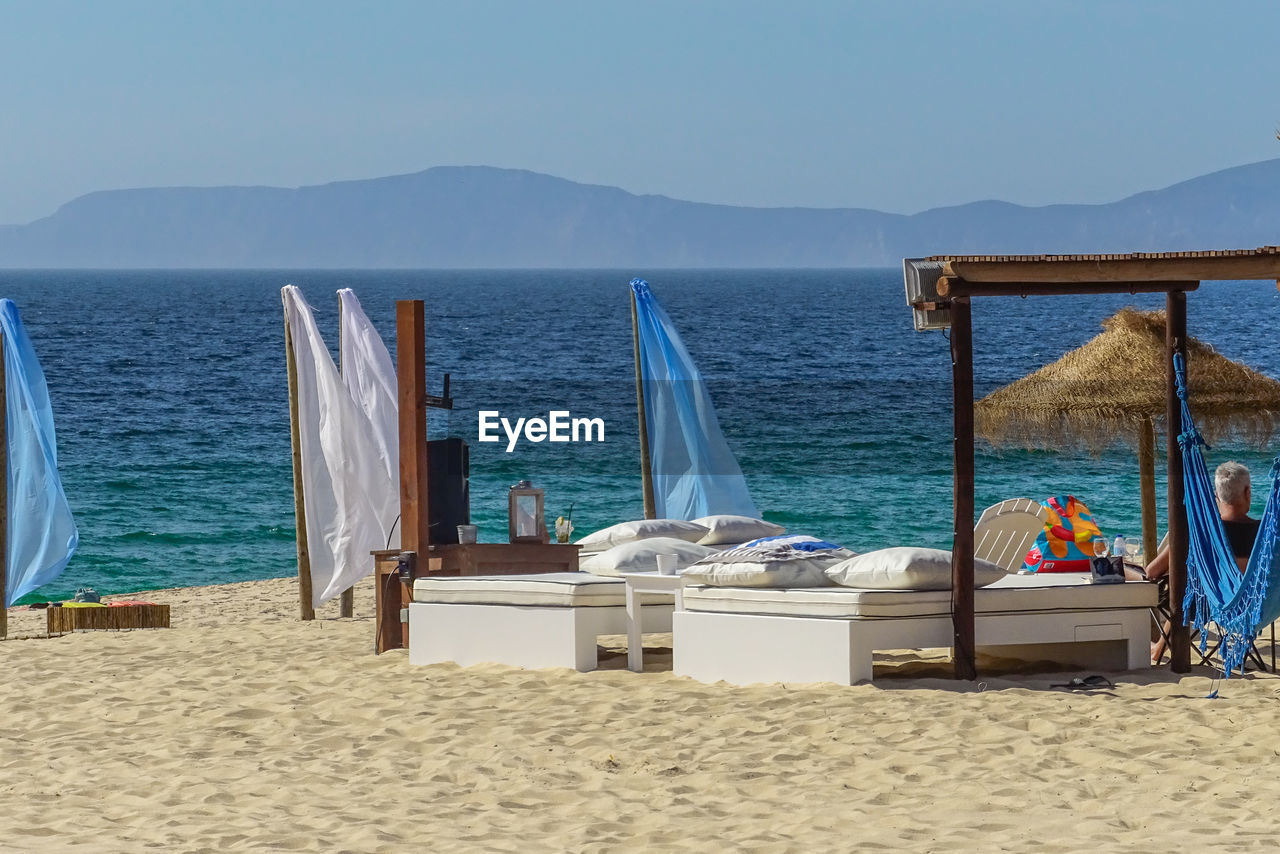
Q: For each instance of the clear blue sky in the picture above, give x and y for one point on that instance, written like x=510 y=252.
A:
x=897 y=105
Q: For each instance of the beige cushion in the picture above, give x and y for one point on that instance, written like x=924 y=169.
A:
x=773 y=563
x=905 y=568
x=552 y=589
x=1011 y=594
x=629 y=532
x=727 y=528
x=642 y=556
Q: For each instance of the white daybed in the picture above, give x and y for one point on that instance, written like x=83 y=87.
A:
x=827 y=634
x=546 y=620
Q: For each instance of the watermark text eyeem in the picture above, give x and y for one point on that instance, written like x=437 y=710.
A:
x=558 y=426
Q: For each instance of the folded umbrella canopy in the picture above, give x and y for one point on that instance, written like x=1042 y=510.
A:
x=694 y=472
x=42 y=533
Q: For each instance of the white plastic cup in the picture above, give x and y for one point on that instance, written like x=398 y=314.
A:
x=466 y=534
x=667 y=564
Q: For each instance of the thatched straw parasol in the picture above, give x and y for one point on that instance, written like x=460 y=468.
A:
x=1113 y=389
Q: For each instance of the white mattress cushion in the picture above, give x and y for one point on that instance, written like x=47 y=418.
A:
x=906 y=568
x=642 y=556
x=724 y=529
x=629 y=532
x=1013 y=593
x=551 y=589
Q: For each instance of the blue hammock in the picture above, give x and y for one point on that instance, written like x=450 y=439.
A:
x=694 y=472
x=1217 y=592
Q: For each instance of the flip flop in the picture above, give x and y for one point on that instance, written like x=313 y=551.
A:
x=1086 y=683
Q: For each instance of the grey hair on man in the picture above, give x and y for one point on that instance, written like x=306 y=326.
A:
x=1231 y=483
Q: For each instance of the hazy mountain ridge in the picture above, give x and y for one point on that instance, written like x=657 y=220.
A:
x=476 y=216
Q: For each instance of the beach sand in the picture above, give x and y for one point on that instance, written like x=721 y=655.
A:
x=242 y=728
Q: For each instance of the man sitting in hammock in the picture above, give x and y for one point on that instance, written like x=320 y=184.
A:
x=1235 y=494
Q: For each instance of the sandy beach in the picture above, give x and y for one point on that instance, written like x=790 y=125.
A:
x=242 y=728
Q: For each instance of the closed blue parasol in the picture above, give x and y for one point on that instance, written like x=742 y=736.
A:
x=42 y=534
x=694 y=472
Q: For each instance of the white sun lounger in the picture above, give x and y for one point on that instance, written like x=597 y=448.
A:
x=828 y=634
x=546 y=620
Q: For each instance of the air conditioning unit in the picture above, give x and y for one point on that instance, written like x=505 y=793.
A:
x=929 y=311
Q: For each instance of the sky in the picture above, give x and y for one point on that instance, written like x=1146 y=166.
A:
x=898 y=106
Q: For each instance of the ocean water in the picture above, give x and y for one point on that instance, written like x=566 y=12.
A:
x=170 y=401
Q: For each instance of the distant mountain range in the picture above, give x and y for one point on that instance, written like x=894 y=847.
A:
x=475 y=216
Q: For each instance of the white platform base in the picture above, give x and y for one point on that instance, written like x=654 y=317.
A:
x=519 y=636
x=742 y=648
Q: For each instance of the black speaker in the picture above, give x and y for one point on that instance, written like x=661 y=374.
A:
x=448 y=492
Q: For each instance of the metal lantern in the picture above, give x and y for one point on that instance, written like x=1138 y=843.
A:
x=526 y=515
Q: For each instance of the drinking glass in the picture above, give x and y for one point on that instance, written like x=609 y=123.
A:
x=1099 y=547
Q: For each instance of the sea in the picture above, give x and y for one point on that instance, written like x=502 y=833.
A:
x=170 y=400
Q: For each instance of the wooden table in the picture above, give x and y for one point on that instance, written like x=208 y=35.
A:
x=501 y=559
x=452 y=560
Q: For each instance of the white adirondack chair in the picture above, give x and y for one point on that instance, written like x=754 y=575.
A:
x=1006 y=531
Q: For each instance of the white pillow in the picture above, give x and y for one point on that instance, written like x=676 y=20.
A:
x=642 y=556
x=736 y=529
x=907 y=569
x=794 y=561
x=641 y=529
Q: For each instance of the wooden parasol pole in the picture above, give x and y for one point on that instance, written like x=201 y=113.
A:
x=963 y=485
x=646 y=473
x=1147 y=485
x=348 y=595
x=306 y=610
x=4 y=495
x=1176 y=342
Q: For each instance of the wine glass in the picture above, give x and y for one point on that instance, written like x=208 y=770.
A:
x=1132 y=548
x=1099 y=547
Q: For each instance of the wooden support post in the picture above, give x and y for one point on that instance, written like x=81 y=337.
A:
x=4 y=494
x=348 y=602
x=1147 y=485
x=1176 y=342
x=348 y=595
x=953 y=287
x=411 y=371
x=646 y=472
x=306 y=609
x=962 y=544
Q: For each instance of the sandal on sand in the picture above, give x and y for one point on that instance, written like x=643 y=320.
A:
x=1086 y=683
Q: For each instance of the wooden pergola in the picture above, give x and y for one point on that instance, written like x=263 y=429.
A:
x=1172 y=273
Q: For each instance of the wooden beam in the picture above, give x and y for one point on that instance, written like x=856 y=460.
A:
x=306 y=610
x=950 y=286
x=1176 y=342
x=646 y=472
x=1101 y=269
x=411 y=371
x=963 y=443
x=415 y=517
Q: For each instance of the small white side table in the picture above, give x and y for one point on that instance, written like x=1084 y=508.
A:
x=646 y=582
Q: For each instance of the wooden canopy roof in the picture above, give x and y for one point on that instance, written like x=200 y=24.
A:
x=983 y=275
